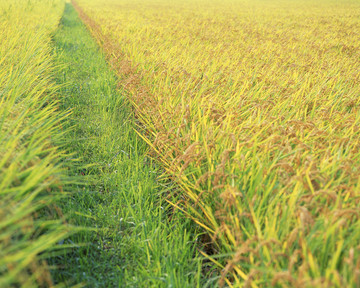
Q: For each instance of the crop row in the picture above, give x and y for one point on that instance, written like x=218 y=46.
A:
x=31 y=173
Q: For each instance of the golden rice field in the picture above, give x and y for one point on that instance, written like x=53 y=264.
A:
x=253 y=108
x=30 y=173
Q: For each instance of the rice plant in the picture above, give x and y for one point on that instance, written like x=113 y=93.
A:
x=253 y=109
x=31 y=169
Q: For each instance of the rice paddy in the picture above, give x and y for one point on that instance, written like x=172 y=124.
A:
x=246 y=118
x=253 y=108
x=31 y=173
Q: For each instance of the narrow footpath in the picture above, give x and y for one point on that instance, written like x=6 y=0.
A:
x=138 y=240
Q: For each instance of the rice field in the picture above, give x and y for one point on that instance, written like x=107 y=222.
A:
x=31 y=168
x=221 y=150
x=252 y=107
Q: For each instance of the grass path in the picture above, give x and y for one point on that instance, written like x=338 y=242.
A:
x=134 y=244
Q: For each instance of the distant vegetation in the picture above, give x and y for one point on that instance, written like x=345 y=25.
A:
x=253 y=109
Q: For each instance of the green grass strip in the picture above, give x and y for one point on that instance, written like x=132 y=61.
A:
x=139 y=241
